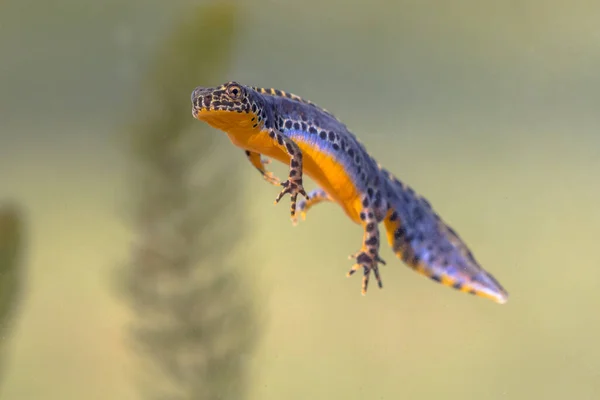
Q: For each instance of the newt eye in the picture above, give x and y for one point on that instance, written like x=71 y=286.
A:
x=234 y=91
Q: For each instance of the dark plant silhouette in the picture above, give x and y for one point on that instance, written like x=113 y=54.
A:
x=11 y=272
x=194 y=321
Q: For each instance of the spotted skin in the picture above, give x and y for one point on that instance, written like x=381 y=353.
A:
x=293 y=185
x=368 y=257
x=312 y=141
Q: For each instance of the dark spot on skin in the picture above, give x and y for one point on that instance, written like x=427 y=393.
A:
x=247 y=153
x=363 y=216
x=420 y=237
x=399 y=233
x=416 y=259
x=278 y=92
x=357 y=159
x=370 y=192
x=296 y=126
x=436 y=278
x=271 y=134
x=335 y=147
x=255 y=125
x=331 y=136
x=351 y=152
x=370 y=227
x=288 y=124
x=363 y=258
x=370 y=215
x=280 y=140
x=293 y=172
x=457 y=285
x=377 y=202
x=303 y=125
x=290 y=148
x=294 y=164
x=372 y=252
x=253 y=108
x=372 y=241
x=393 y=216
x=365 y=202
x=363 y=177
x=323 y=135
x=312 y=130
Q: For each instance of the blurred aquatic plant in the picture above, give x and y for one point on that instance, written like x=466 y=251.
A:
x=11 y=272
x=194 y=321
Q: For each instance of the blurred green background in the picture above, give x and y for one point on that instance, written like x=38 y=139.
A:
x=488 y=109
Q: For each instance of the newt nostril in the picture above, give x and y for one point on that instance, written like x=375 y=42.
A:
x=197 y=94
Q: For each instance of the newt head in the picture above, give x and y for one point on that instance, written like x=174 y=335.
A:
x=229 y=107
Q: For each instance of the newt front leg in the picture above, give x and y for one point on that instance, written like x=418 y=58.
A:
x=293 y=185
x=259 y=163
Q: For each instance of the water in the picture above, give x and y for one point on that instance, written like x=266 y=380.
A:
x=487 y=109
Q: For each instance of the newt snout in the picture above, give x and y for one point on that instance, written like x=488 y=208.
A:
x=197 y=98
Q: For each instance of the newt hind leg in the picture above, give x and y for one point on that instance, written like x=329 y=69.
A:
x=368 y=257
x=315 y=197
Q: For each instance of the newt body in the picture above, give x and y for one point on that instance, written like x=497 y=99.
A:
x=294 y=131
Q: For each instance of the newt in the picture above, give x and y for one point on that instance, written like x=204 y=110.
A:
x=278 y=125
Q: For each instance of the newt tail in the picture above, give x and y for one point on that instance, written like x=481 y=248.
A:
x=420 y=238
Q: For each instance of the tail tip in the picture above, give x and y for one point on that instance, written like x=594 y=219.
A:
x=501 y=298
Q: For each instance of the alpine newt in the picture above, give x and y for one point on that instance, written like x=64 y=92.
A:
x=312 y=141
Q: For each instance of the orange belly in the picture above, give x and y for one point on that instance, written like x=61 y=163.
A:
x=321 y=167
